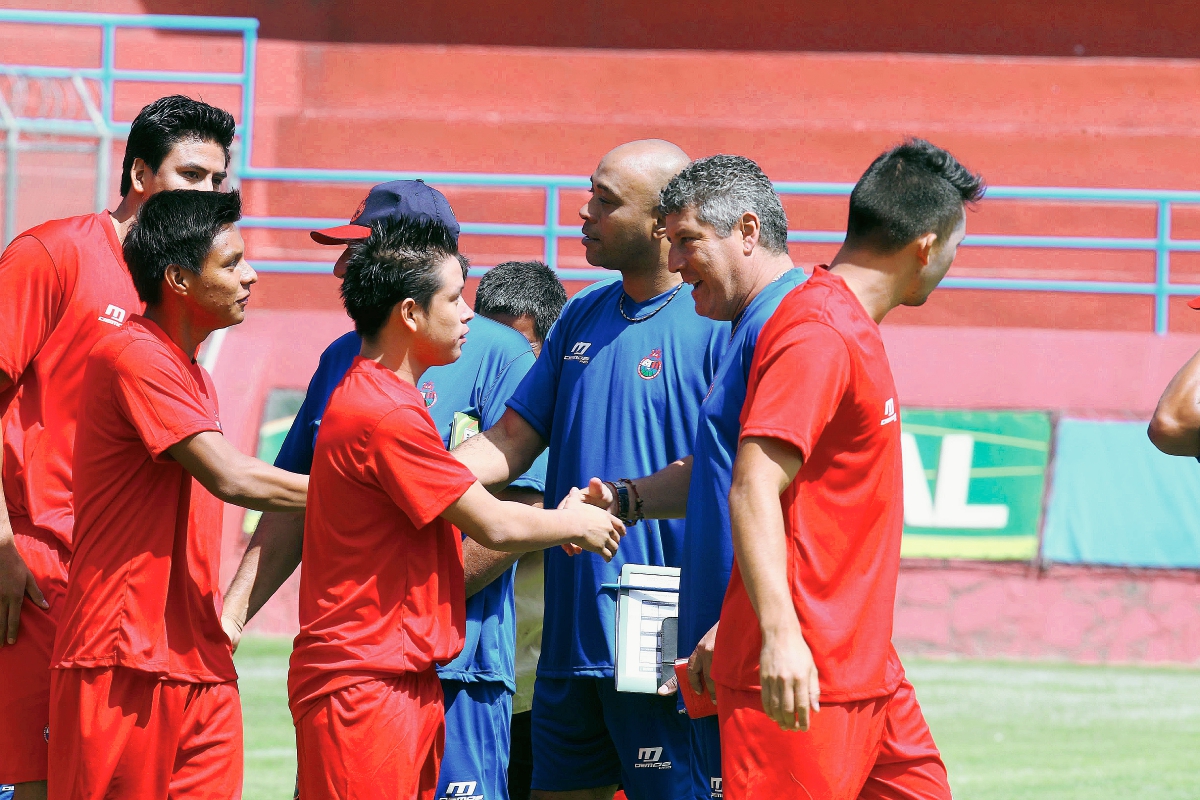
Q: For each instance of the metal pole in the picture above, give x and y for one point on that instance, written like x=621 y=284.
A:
x=108 y=47
x=103 y=145
x=1162 y=270
x=552 y=226
x=9 y=120
x=249 y=54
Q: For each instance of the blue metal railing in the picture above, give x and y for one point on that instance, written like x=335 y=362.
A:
x=550 y=230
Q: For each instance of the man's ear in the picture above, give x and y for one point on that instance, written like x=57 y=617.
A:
x=137 y=175
x=924 y=247
x=659 y=231
x=750 y=228
x=407 y=312
x=176 y=280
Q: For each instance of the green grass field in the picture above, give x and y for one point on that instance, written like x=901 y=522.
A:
x=1006 y=730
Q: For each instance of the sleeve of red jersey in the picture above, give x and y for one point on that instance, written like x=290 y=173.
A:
x=797 y=380
x=410 y=462
x=31 y=294
x=160 y=399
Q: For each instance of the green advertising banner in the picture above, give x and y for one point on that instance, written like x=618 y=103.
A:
x=973 y=483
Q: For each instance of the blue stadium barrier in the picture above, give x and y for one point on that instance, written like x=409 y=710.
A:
x=550 y=229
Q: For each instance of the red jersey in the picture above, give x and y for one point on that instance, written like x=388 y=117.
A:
x=63 y=286
x=144 y=579
x=820 y=382
x=381 y=588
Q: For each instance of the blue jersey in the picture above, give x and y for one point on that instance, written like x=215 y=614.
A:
x=614 y=399
x=493 y=362
x=708 y=540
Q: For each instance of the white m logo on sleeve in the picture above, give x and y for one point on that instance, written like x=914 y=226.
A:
x=113 y=315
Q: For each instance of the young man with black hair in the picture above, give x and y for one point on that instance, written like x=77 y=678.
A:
x=63 y=286
x=144 y=699
x=382 y=588
x=461 y=397
x=811 y=696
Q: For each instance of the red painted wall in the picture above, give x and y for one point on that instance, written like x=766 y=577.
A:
x=1083 y=614
x=1002 y=27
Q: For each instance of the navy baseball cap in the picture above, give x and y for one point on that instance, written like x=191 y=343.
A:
x=392 y=200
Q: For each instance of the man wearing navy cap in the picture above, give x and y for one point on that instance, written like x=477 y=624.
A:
x=462 y=397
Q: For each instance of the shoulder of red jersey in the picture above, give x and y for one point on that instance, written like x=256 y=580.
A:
x=59 y=232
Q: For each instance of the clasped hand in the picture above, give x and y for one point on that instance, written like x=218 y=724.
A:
x=599 y=531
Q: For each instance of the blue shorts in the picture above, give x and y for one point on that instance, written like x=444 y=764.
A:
x=475 y=764
x=706 y=744
x=6 y=792
x=586 y=734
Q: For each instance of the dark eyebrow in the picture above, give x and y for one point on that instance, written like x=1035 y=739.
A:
x=598 y=185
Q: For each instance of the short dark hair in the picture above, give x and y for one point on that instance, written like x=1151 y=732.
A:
x=721 y=188
x=400 y=259
x=522 y=288
x=167 y=121
x=175 y=227
x=913 y=189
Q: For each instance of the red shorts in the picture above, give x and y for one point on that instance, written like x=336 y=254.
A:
x=117 y=732
x=878 y=749
x=25 y=666
x=377 y=740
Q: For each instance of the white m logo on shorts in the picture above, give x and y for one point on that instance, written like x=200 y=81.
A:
x=649 y=753
x=460 y=789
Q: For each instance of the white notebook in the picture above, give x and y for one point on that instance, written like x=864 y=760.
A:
x=647 y=595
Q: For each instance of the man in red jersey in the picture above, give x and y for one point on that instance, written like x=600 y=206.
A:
x=382 y=597
x=144 y=699
x=64 y=286
x=816 y=508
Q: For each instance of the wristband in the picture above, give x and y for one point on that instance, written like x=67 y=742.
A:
x=623 y=488
x=621 y=494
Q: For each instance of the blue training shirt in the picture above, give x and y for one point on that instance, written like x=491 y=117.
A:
x=614 y=399
x=707 y=538
x=494 y=360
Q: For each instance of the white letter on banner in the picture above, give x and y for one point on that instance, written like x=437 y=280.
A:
x=947 y=507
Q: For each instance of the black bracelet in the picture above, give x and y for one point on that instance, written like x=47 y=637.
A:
x=637 y=503
x=621 y=494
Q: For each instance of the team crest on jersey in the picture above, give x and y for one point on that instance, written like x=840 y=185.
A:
x=651 y=365
x=428 y=393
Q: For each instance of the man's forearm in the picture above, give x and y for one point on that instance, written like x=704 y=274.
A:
x=760 y=546
x=501 y=453
x=270 y=559
x=664 y=494
x=239 y=479
x=762 y=472
x=481 y=565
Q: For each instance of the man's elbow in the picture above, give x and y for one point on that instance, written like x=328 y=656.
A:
x=1174 y=436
